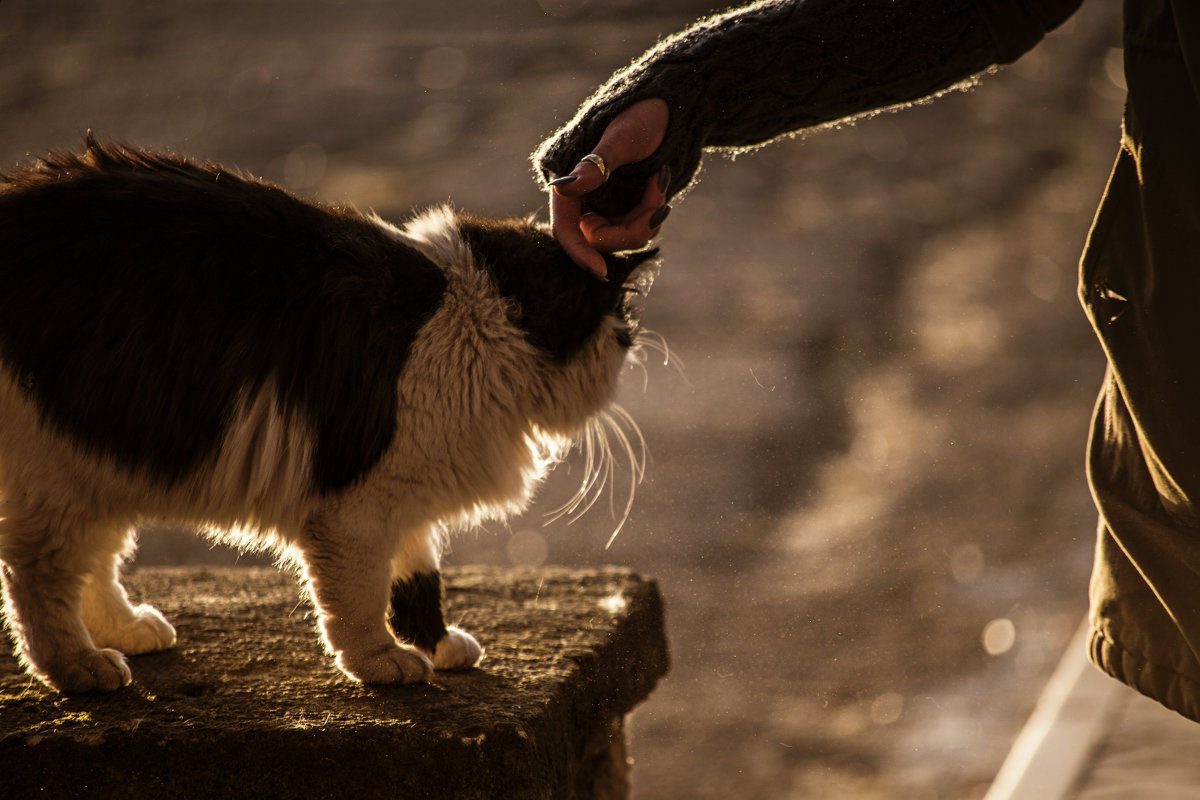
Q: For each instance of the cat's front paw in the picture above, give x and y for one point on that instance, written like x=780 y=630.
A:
x=91 y=671
x=394 y=664
x=146 y=632
x=457 y=650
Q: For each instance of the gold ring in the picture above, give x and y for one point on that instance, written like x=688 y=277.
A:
x=598 y=161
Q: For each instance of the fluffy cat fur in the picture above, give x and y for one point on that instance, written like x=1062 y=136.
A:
x=182 y=342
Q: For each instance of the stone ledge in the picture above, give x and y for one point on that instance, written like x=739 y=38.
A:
x=248 y=705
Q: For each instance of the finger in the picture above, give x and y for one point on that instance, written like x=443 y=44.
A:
x=606 y=237
x=565 y=220
x=654 y=196
x=588 y=178
x=633 y=230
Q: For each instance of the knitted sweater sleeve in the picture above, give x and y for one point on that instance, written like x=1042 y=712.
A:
x=746 y=77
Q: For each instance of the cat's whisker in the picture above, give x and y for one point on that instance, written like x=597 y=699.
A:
x=630 y=423
x=637 y=358
x=610 y=467
x=604 y=463
x=654 y=341
x=591 y=446
x=600 y=464
x=637 y=460
x=597 y=465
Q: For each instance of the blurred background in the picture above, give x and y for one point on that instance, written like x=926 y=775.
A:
x=865 y=499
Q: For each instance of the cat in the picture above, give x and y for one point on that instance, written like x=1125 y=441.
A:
x=179 y=341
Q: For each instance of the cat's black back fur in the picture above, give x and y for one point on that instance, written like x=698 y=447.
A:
x=220 y=273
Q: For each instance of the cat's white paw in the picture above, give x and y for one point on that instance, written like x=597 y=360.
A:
x=457 y=650
x=394 y=664
x=146 y=632
x=92 y=671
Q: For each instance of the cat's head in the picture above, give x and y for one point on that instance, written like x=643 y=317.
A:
x=561 y=305
x=580 y=326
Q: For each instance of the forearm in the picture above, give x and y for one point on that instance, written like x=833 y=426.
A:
x=772 y=68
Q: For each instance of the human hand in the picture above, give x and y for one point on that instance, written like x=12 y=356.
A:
x=632 y=136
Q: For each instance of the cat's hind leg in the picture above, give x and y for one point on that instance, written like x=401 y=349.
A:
x=45 y=563
x=113 y=621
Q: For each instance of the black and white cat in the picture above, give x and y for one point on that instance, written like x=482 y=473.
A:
x=181 y=342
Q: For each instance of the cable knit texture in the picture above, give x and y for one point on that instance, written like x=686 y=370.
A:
x=743 y=78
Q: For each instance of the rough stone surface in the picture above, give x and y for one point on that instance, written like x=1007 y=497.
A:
x=248 y=705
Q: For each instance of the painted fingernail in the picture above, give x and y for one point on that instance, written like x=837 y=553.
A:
x=659 y=217
x=564 y=180
x=664 y=179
